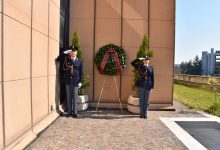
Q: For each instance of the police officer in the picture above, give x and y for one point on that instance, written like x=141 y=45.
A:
x=73 y=72
x=144 y=82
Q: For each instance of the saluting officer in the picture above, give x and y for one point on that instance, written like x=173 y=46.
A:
x=73 y=72
x=145 y=82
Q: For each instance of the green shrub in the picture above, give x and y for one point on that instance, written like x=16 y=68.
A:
x=143 y=51
x=85 y=80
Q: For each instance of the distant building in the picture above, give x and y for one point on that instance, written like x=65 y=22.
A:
x=211 y=63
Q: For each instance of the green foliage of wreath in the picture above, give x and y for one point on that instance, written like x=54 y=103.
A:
x=110 y=67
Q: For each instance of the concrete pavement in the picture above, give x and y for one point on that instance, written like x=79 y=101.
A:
x=109 y=129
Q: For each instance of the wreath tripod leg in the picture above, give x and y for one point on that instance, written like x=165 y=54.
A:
x=116 y=87
x=118 y=94
x=101 y=94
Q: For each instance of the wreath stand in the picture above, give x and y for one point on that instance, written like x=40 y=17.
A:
x=116 y=87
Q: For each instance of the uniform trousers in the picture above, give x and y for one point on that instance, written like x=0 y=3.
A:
x=72 y=98
x=143 y=100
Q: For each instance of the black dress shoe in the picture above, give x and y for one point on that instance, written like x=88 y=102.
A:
x=74 y=115
x=145 y=117
x=141 y=116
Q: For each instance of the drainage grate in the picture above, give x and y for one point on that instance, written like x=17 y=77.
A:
x=205 y=132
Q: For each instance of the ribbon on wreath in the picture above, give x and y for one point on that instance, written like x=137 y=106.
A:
x=115 y=57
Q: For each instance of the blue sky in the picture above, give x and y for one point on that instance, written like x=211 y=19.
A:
x=197 y=28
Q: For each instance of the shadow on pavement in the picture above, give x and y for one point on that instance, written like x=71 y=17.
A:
x=104 y=114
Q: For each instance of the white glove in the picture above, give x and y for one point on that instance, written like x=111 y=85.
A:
x=141 y=58
x=79 y=85
x=67 y=51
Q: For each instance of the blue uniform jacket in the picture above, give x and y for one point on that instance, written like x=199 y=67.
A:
x=146 y=75
x=73 y=71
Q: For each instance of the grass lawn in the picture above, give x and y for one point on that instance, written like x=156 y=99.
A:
x=197 y=98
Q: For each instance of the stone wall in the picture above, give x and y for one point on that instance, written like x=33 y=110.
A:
x=195 y=80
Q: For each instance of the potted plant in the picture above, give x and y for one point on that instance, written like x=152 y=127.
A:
x=83 y=97
x=133 y=100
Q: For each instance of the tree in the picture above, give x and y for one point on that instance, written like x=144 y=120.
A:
x=192 y=67
x=197 y=64
x=144 y=48
x=186 y=67
x=143 y=51
x=85 y=81
x=177 y=69
x=189 y=67
x=183 y=67
x=76 y=42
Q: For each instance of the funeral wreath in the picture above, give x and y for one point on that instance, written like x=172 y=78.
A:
x=110 y=60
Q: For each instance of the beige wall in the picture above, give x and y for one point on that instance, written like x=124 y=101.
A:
x=162 y=40
x=84 y=24
x=195 y=78
x=158 y=20
x=1 y=114
x=108 y=30
x=135 y=24
x=28 y=72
